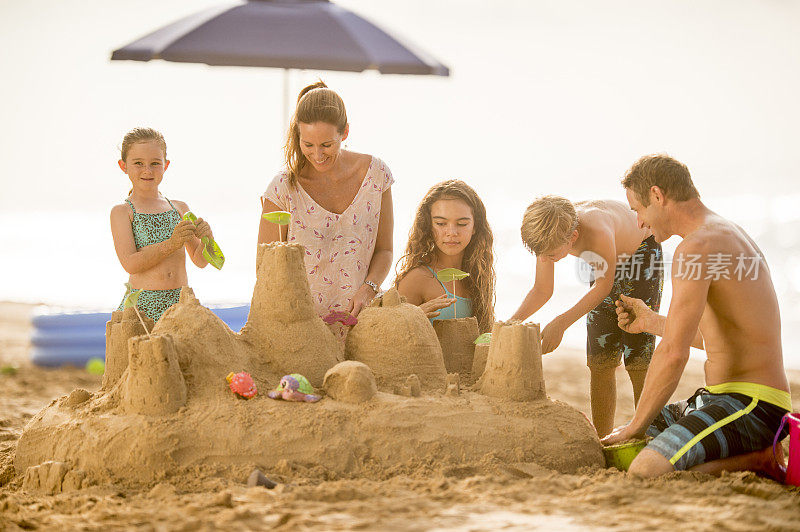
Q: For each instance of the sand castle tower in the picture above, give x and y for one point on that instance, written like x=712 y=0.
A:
x=124 y=324
x=282 y=317
x=153 y=383
x=395 y=340
x=456 y=337
x=514 y=364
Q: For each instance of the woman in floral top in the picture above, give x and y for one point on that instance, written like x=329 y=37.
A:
x=340 y=202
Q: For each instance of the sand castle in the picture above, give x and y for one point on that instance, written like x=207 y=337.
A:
x=165 y=408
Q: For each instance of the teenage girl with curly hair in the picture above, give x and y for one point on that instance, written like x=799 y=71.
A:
x=450 y=230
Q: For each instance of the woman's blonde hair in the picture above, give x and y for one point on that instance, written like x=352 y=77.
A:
x=478 y=255
x=315 y=103
x=548 y=223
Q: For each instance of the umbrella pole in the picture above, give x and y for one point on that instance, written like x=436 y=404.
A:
x=285 y=99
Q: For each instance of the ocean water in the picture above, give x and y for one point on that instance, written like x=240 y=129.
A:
x=544 y=97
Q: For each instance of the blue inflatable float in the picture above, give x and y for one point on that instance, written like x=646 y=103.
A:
x=74 y=338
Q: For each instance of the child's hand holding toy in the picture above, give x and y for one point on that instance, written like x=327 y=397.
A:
x=201 y=228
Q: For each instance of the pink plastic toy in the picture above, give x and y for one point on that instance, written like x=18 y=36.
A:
x=294 y=387
x=793 y=470
x=345 y=318
x=242 y=384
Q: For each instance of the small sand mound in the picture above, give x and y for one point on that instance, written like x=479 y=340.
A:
x=76 y=397
x=351 y=382
x=395 y=339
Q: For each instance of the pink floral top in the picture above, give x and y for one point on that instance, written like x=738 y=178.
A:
x=339 y=247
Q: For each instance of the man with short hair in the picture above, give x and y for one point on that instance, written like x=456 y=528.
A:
x=723 y=301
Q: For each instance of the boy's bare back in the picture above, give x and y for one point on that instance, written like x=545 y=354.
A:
x=599 y=217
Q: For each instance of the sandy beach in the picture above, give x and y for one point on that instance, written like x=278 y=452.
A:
x=485 y=495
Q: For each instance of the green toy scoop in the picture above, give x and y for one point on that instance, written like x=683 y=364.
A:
x=214 y=256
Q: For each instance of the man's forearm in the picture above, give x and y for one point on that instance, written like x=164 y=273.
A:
x=663 y=376
x=656 y=326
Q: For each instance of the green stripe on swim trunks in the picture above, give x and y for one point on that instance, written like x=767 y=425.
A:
x=774 y=396
x=705 y=432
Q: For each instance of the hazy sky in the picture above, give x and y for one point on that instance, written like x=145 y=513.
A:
x=545 y=97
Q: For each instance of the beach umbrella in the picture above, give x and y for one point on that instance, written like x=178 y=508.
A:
x=287 y=34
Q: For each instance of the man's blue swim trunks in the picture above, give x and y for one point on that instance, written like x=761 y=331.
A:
x=717 y=422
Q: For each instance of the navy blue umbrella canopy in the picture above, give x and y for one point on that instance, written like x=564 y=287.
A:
x=289 y=34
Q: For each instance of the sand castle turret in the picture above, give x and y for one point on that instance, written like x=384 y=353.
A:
x=281 y=293
x=395 y=339
x=282 y=317
x=457 y=337
x=514 y=364
x=124 y=325
x=154 y=383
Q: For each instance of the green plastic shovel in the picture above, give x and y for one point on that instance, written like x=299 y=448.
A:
x=213 y=257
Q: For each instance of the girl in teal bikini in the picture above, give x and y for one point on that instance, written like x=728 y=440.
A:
x=148 y=229
x=450 y=230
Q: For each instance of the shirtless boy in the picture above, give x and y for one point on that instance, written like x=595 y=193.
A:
x=624 y=259
x=723 y=301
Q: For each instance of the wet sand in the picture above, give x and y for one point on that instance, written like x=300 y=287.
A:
x=483 y=496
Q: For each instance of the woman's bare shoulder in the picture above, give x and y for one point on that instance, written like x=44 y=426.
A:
x=358 y=156
x=357 y=161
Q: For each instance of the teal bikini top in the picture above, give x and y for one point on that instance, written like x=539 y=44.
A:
x=152 y=228
x=461 y=308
